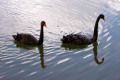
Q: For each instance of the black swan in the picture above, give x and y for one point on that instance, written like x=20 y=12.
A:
x=28 y=39
x=82 y=39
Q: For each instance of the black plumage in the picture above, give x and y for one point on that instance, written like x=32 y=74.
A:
x=29 y=39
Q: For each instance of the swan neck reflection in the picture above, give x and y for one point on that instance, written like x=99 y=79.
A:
x=95 y=44
x=40 y=48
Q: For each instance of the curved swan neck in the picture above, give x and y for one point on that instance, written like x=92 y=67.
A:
x=41 y=36
x=95 y=34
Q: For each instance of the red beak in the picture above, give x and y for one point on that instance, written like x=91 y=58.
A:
x=104 y=19
x=45 y=25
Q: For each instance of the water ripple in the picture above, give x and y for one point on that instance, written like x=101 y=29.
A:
x=63 y=60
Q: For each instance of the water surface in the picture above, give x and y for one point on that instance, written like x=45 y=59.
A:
x=52 y=60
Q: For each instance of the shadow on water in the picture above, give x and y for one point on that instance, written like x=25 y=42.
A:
x=30 y=47
x=78 y=47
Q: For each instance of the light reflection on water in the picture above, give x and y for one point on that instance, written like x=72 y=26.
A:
x=54 y=60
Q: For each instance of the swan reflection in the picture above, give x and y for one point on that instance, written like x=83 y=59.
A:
x=78 y=47
x=95 y=44
x=31 y=47
x=40 y=48
x=73 y=47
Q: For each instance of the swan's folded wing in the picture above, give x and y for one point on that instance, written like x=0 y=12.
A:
x=28 y=39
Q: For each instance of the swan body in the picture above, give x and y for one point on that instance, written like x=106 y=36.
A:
x=82 y=39
x=76 y=39
x=29 y=39
x=25 y=39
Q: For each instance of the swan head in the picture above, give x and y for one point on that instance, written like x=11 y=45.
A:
x=102 y=16
x=43 y=23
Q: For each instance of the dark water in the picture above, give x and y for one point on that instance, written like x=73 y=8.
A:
x=52 y=60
